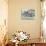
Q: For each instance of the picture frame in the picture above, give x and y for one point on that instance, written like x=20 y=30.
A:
x=27 y=14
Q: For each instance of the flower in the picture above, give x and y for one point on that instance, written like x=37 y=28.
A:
x=21 y=36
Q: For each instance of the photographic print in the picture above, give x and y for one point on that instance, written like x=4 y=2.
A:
x=27 y=14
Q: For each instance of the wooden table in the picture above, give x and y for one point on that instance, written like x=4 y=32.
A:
x=40 y=44
x=10 y=44
x=33 y=42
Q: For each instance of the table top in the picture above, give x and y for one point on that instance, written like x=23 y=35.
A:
x=36 y=40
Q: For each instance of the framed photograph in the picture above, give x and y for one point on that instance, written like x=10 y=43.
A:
x=27 y=14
